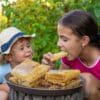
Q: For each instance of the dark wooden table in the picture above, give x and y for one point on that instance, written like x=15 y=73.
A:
x=16 y=95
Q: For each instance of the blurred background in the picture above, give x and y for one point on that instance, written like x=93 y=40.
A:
x=41 y=17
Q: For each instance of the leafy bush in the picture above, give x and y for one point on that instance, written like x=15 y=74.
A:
x=92 y=6
x=38 y=17
x=41 y=16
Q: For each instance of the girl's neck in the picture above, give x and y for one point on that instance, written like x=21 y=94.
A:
x=90 y=55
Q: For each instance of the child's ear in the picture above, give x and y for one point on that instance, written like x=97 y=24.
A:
x=8 y=57
x=85 y=40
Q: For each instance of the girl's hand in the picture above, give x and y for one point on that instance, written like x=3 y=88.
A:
x=91 y=84
x=47 y=60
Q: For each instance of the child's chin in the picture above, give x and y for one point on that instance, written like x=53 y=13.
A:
x=30 y=57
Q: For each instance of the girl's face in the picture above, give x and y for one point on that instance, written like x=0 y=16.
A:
x=69 y=42
x=20 y=51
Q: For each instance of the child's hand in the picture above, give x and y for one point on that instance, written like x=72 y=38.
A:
x=5 y=88
x=3 y=95
x=47 y=60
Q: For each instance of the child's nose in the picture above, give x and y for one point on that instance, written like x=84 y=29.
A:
x=28 y=49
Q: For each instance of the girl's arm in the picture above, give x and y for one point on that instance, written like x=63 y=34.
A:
x=47 y=60
x=91 y=86
x=53 y=59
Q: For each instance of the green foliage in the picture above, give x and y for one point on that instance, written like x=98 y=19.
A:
x=58 y=64
x=41 y=16
x=92 y=6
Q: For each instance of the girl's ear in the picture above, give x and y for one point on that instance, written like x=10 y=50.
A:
x=85 y=41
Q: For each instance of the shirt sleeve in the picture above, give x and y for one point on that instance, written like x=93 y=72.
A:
x=1 y=80
x=4 y=70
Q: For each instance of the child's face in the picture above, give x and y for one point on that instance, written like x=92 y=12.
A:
x=69 y=42
x=20 y=51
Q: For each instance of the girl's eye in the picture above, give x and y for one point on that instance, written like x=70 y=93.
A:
x=63 y=38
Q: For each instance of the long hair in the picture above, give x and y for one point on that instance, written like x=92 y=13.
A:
x=82 y=23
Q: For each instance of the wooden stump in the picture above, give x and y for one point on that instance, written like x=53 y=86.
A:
x=16 y=95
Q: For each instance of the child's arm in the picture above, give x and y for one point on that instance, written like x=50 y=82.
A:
x=4 y=87
x=3 y=95
x=4 y=91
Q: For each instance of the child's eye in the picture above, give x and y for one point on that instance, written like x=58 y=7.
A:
x=22 y=48
x=28 y=45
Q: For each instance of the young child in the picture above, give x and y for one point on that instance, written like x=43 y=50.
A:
x=78 y=35
x=15 y=47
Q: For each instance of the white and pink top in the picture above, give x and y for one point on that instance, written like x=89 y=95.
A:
x=94 y=69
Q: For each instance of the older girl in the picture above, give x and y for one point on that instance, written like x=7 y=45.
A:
x=78 y=35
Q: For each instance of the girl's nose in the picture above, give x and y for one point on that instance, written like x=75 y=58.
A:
x=59 y=43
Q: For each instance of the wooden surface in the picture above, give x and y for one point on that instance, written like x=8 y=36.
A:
x=15 y=95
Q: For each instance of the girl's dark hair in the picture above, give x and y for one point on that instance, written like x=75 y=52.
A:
x=82 y=23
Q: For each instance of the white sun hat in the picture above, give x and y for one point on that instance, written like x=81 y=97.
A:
x=8 y=37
